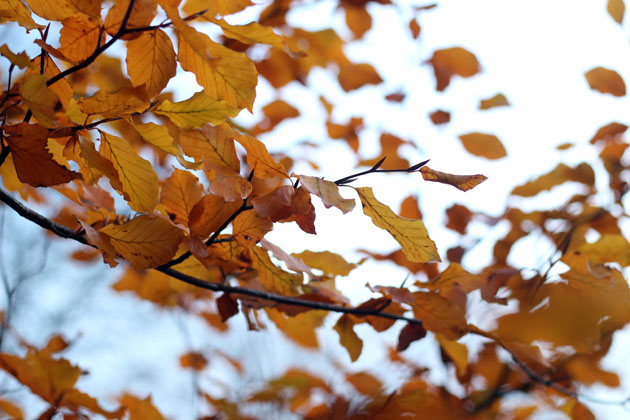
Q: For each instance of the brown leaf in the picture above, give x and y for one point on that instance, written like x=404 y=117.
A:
x=439 y=117
x=78 y=38
x=329 y=193
x=248 y=228
x=612 y=130
x=461 y=182
x=440 y=315
x=34 y=164
x=259 y=159
x=458 y=218
x=496 y=101
x=180 y=192
x=354 y=76
x=209 y=213
x=193 y=360
x=606 y=81
x=484 y=145
x=227 y=307
x=409 y=334
x=358 y=20
x=414 y=27
x=616 y=10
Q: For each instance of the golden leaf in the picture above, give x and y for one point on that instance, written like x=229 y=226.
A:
x=196 y=111
x=259 y=159
x=451 y=61
x=140 y=409
x=329 y=193
x=616 y=10
x=151 y=61
x=353 y=76
x=497 y=100
x=145 y=241
x=213 y=145
x=330 y=263
x=209 y=213
x=484 y=145
x=252 y=33
x=410 y=234
x=54 y=9
x=34 y=164
x=458 y=353
x=216 y=7
x=348 y=338
x=248 y=228
x=224 y=74
x=78 y=38
x=139 y=181
x=273 y=278
x=439 y=315
x=461 y=182
x=40 y=99
x=62 y=88
x=608 y=248
x=158 y=136
x=562 y=173
x=110 y=105
x=358 y=20
x=300 y=328
x=16 y=11
x=141 y=16
x=606 y=81
x=180 y=192
x=21 y=60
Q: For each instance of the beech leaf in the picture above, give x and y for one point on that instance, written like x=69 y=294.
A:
x=180 y=192
x=410 y=234
x=606 y=81
x=453 y=61
x=461 y=182
x=151 y=61
x=484 y=145
x=259 y=159
x=348 y=338
x=329 y=193
x=196 y=111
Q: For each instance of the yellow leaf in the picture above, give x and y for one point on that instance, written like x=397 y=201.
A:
x=110 y=105
x=139 y=181
x=151 y=61
x=158 y=136
x=96 y=165
x=21 y=60
x=252 y=33
x=461 y=182
x=209 y=213
x=451 y=61
x=40 y=99
x=606 y=81
x=328 y=262
x=248 y=228
x=353 y=76
x=224 y=74
x=33 y=162
x=11 y=410
x=300 y=328
x=273 y=278
x=616 y=10
x=196 y=111
x=608 y=248
x=193 y=360
x=54 y=9
x=259 y=159
x=79 y=38
x=458 y=353
x=213 y=145
x=15 y=10
x=180 y=192
x=497 y=100
x=62 y=88
x=410 y=234
x=216 y=7
x=439 y=315
x=562 y=173
x=329 y=193
x=609 y=131
x=358 y=20
x=141 y=16
x=484 y=145
x=348 y=338
x=145 y=241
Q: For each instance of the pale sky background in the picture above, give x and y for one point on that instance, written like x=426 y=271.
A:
x=534 y=52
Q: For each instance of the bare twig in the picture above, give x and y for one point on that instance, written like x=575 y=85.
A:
x=374 y=169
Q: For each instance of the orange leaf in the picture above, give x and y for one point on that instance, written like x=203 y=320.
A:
x=606 y=81
x=329 y=193
x=365 y=383
x=358 y=20
x=212 y=144
x=217 y=7
x=614 y=129
x=562 y=173
x=348 y=338
x=453 y=61
x=34 y=164
x=146 y=241
x=110 y=105
x=193 y=360
x=616 y=10
x=497 y=100
x=101 y=242
x=180 y=192
x=209 y=213
x=252 y=33
x=16 y=11
x=139 y=181
x=608 y=248
x=275 y=112
x=141 y=16
x=299 y=328
x=484 y=145
x=248 y=228
x=151 y=61
x=440 y=315
x=354 y=76
x=140 y=409
x=458 y=353
x=410 y=234
x=273 y=278
x=56 y=10
x=414 y=27
x=259 y=159
x=78 y=38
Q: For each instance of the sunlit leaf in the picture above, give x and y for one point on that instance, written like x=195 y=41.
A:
x=122 y=102
x=497 y=100
x=180 y=192
x=217 y=7
x=410 y=234
x=33 y=162
x=329 y=193
x=141 y=16
x=40 y=99
x=248 y=228
x=608 y=248
x=453 y=61
x=193 y=360
x=196 y=111
x=145 y=241
x=259 y=159
x=354 y=76
x=78 y=38
x=209 y=213
x=16 y=11
x=273 y=278
x=582 y=173
x=358 y=20
x=348 y=338
x=151 y=61
x=139 y=181
x=21 y=60
x=53 y=9
x=300 y=328
x=328 y=262
x=252 y=33
x=612 y=130
x=605 y=81
x=458 y=353
x=440 y=315
x=140 y=409
x=461 y=182
x=484 y=145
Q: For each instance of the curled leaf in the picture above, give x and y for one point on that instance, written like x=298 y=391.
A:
x=461 y=182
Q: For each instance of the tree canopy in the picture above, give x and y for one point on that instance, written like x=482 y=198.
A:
x=153 y=133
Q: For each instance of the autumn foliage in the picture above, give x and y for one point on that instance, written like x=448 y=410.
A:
x=180 y=195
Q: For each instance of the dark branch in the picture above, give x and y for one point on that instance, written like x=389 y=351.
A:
x=374 y=169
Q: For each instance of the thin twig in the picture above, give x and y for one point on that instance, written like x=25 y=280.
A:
x=374 y=169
